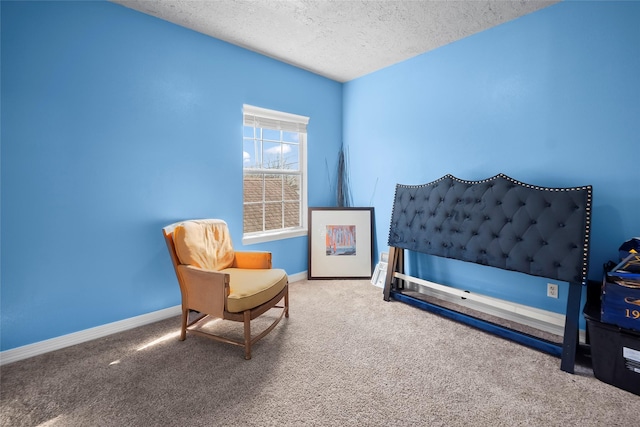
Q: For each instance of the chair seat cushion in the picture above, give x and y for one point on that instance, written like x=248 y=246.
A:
x=251 y=288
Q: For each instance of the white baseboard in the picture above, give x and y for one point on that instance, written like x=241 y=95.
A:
x=36 y=349
x=297 y=277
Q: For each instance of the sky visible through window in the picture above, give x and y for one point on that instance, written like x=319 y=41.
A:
x=270 y=149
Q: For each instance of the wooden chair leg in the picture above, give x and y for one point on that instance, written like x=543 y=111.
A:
x=183 y=326
x=286 y=303
x=247 y=334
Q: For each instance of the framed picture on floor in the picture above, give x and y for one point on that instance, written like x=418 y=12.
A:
x=340 y=243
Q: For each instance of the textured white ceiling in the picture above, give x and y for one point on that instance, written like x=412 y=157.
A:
x=338 y=39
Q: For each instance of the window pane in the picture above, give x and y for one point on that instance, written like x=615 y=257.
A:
x=290 y=137
x=271 y=134
x=272 y=158
x=251 y=153
x=252 y=218
x=252 y=188
x=291 y=157
x=273 y=188
x=292 y=214
x=292 y=188
x=248 y=131
x=273 y=216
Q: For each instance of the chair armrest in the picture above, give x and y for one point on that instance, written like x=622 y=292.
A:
x=252 y=259
x=205 y=291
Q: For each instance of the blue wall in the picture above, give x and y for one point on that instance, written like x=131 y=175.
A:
x=114 y=124
x=551 y=98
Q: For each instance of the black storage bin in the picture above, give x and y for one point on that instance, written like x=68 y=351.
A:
x=615 y=351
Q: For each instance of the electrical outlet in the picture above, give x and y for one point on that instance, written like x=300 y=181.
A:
x=552 y=290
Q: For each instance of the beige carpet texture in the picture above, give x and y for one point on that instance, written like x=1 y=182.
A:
x=344 y=357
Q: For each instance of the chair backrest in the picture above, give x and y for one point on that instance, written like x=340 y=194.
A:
x=202 y=243
x=197 y=294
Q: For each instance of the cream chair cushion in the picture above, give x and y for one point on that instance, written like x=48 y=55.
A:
x=253 y=287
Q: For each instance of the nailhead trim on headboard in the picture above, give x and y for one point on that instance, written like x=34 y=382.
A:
x=498 y=221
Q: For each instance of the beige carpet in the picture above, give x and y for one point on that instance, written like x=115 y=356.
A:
x=344 y=358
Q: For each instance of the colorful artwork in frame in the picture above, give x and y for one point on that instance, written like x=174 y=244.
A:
x=340 y=240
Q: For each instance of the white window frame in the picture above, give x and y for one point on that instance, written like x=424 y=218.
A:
x=272 y=119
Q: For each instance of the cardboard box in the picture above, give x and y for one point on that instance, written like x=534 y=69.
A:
x=628 y=269
x=621 y=294
x=621 y=304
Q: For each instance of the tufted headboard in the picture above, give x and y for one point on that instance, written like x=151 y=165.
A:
x=499 y=222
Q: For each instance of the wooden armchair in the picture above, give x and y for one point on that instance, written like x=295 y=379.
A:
x=218 y=282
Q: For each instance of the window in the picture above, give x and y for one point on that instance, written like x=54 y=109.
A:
x=274 y=174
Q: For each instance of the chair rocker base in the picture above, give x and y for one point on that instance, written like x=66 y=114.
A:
x=245 y=317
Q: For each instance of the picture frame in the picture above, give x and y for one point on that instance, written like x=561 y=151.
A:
x=340 y=243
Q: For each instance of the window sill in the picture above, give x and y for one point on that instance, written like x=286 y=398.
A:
x=251 y=239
